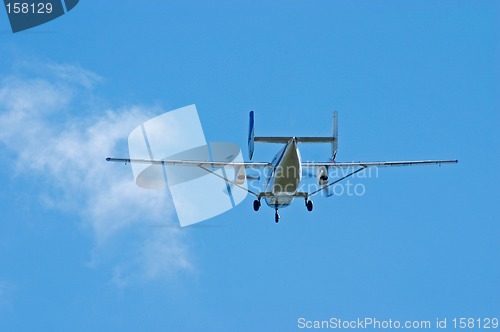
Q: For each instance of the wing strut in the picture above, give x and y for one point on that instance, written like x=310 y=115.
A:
x=338 y=180
x=227 y=180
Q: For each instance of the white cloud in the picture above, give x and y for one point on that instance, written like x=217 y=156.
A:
x=75 y=74
x=52 y=137
x=164 y=248
x=162 y=254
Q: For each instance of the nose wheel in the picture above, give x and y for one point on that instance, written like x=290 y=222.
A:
x=309 y=205
x=276 y=216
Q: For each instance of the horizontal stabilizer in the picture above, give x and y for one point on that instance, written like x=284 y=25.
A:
x=272 y=139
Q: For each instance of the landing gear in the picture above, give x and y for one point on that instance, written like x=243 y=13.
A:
x=276 y=216
x=309 y=205
x=256 y=205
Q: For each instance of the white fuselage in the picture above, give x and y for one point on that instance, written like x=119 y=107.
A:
x=285 y=177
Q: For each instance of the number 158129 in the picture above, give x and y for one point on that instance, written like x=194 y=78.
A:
x=29 y=8
x=475 y=323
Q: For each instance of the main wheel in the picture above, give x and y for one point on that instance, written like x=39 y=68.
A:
x=309 y=206
x=256 y=205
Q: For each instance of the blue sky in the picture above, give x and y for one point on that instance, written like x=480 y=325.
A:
x=83 y=248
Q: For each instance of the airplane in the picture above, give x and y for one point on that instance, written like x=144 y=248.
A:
x=285 y=171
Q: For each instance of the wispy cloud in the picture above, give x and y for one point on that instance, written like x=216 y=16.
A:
x=51 y=136
x=160 y=255
x=75 y=74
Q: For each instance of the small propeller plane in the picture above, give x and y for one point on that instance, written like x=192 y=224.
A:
x=285 y=171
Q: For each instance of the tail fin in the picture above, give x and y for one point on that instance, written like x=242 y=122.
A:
x=335 y=135
x=251 y=136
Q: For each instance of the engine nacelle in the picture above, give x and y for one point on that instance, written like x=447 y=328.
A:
x=322 y=175
x=240 y=175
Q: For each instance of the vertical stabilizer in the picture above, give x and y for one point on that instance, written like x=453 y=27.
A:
x=335 y=135
x=251 y=136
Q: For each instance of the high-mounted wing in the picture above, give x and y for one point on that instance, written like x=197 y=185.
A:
x=323 y=167
x=377 y=163
x=207 y=166
x=194 y=163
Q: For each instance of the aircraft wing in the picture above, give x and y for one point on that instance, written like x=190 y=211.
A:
x=193 y=163
x=376 y=163
x=360 y=165
x=205 y=165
